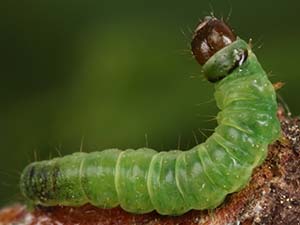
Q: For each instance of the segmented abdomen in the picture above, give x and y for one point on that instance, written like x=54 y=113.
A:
x=176 y=181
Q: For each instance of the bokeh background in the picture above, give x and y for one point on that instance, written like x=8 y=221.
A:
x=100 y=74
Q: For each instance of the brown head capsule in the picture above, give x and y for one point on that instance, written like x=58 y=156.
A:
x=210 y=36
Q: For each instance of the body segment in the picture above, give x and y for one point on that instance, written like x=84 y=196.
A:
x=177 y=181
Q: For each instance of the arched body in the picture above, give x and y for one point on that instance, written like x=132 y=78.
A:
x=174 y=182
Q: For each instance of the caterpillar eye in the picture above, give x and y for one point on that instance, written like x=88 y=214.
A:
x=210 y=36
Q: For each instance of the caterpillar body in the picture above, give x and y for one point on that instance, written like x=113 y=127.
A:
x=175 y=182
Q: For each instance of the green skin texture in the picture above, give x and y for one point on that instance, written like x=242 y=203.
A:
x=173 y=182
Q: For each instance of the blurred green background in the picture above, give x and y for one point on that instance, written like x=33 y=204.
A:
x=103 y=74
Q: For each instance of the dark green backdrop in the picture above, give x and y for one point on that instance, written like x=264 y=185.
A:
x=108 y=73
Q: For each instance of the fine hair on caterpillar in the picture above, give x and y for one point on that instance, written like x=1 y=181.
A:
x=174 y=182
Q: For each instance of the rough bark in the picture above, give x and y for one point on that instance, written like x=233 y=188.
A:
x=272 y=197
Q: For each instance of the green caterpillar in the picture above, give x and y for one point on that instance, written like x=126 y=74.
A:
x=175 y=182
